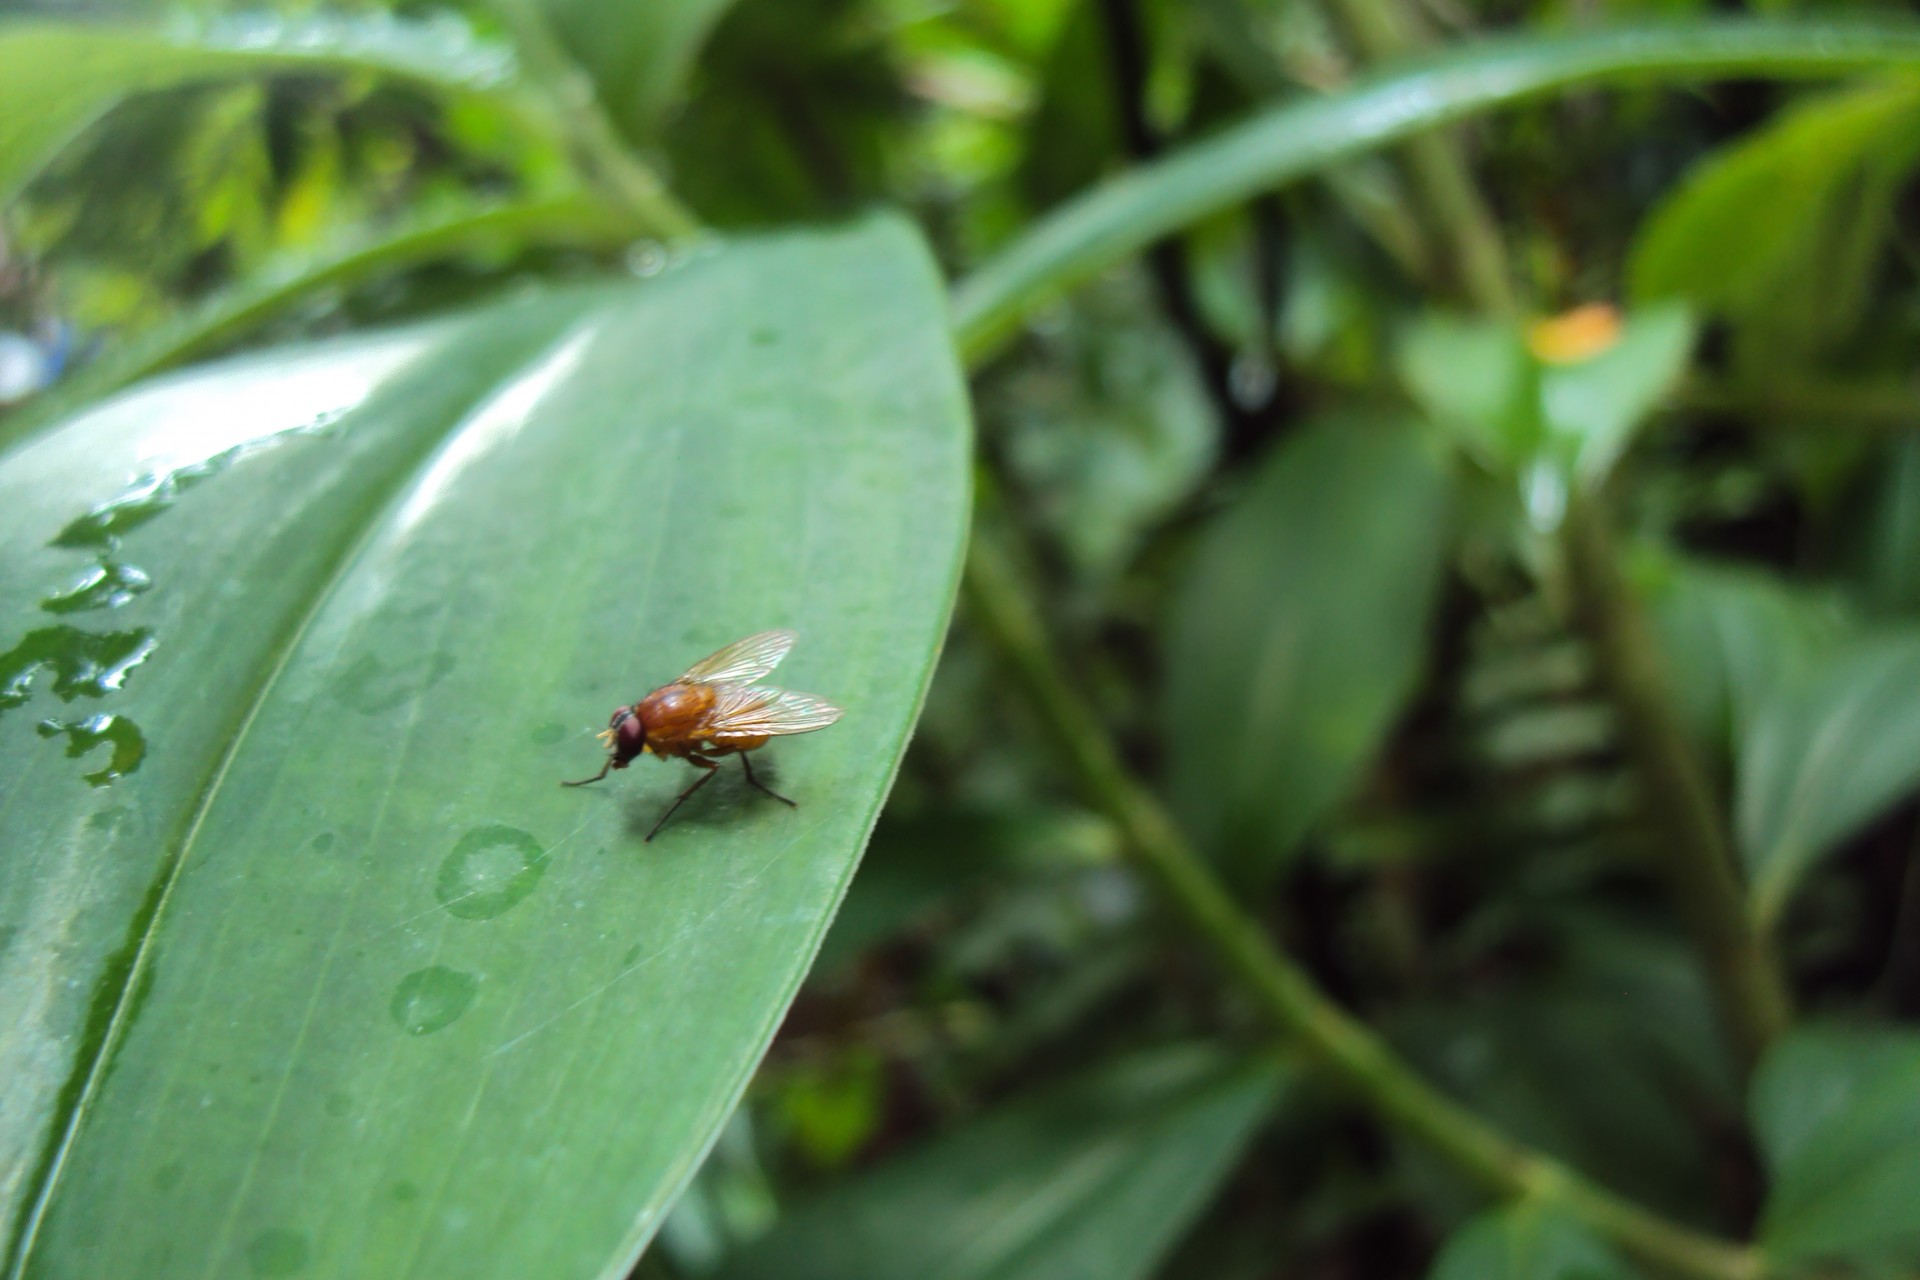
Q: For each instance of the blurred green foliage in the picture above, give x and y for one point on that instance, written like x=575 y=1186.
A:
x=1296 y=517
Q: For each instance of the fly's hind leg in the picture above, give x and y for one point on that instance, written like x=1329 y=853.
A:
x=748 y=766
x=710 y=768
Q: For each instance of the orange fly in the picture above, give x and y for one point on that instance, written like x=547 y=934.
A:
x=713 y=711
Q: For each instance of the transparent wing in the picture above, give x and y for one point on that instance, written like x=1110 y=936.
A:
x=743 y=661
x=740 y=712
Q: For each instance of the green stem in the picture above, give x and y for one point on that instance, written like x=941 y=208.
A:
x=1442 y=185
x=1694 y=851
x=1345 y=1048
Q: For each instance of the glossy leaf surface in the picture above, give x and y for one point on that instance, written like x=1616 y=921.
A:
x=335 y=980
x=1093 y=1179
x=1300 y=632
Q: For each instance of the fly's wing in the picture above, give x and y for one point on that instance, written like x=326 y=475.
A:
x=743 y=661
x=740 y=712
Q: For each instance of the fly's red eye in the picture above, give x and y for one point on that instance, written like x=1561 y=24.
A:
x=620 y=717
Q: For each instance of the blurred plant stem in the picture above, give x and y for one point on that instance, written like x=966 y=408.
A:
x=1463 y=226
x=1002 y=608
x=575 y=114
x=1891 y=407
x=1695 y=853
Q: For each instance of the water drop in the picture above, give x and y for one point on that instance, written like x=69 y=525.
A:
x=428 y=999
x=106 y=585
x=646 y=258
x=129 y=744
x=84 y=663
x=548 y=734
x=322 y=842
x=489 y=870
x=632 y=957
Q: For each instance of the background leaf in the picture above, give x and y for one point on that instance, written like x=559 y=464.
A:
x=639 y=55
x=1526 y=1242
x=1827 y=175
x=1838 y=1117
x=1824 y=756
x=56 y=77
x=1300 y=633
x=1095 y=1177
x=337 y=970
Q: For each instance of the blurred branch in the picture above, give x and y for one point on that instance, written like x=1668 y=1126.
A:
x=1436 y=163
x=1694 y=851
x=1118 y=218
x=580 y=118
x=1346 y=1049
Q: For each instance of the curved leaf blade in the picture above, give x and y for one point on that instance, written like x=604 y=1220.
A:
x=55 y=77
x=1119 y=218
x=381 y=998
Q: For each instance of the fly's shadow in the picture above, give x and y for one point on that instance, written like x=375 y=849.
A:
x=708 y=799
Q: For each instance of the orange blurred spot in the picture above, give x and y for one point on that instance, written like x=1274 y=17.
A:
x=1576 y=335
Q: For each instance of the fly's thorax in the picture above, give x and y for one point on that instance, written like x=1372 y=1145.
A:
x=674 y=711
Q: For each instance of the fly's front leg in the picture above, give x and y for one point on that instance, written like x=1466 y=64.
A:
x=595 y=778
x=748 y=766
x=698 y=762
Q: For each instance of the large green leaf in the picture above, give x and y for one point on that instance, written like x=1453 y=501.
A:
x=1116 y=219
x=1094 y=1178
x=333 y=977
x=55 y=77
x=1300 y=633
x=1838 y=1117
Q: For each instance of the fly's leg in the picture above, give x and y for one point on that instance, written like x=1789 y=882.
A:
x=595 y=778
x=710 y=767
x=748 y=766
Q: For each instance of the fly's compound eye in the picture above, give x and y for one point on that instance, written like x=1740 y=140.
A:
x=620 y=717
x=629 y=735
